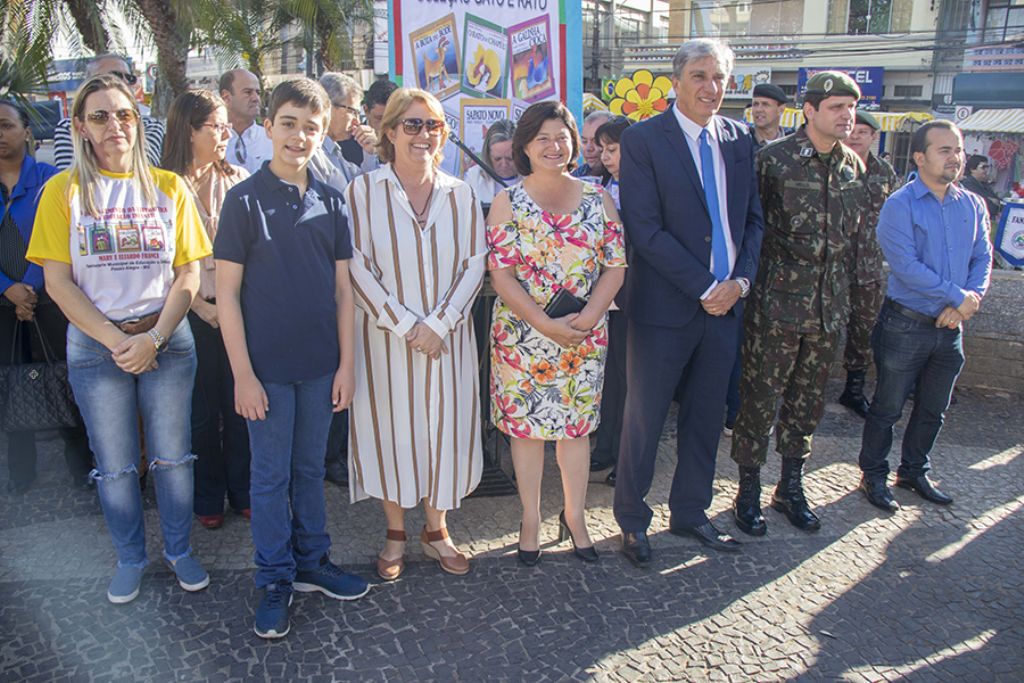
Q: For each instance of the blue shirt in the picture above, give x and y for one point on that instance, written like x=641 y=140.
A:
x=24 y=199
x=289 y=246
x=937 y=251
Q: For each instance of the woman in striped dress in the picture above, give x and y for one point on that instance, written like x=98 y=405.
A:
x=418 y=261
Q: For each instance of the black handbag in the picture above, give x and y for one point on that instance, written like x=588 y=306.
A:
x=37 y=396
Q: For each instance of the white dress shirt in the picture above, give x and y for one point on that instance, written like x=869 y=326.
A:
x=255 y=148
x=691 y=131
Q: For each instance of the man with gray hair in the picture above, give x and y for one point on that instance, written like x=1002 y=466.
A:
x=591 y=166
x=693 y=221
x=63 y=149
x=356 y=142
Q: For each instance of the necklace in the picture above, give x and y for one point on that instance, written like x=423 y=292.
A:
x=421 y=214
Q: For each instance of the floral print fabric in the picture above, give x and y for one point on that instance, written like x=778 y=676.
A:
x=540 y=390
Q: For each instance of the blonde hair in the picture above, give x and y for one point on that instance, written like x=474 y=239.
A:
x=397 y=105
x=85 y=168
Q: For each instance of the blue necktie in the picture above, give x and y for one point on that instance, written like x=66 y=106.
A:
x=719 y=251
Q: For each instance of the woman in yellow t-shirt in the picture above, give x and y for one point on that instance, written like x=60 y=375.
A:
x=120 y=244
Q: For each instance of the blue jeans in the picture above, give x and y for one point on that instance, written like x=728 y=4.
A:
x=909 y=354
x=111 y=402
x=288 y=469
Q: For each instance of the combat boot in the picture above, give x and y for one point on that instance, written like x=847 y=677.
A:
x=747 y=508
x=789 y=496
x=853 y=396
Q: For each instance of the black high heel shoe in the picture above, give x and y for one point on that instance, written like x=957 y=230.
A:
x=527 y=557
x=585 y=554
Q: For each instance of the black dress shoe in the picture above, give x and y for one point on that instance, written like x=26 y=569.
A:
x=878 y=494
x=708 y=535
x=636 y=548
x=598 y=465
x=924 y=488
x=18 y=488
x=336 y=473
x=528 y=557
x=610 y=479
x=588 y=554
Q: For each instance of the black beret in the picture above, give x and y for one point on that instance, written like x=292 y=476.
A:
x=770 y=91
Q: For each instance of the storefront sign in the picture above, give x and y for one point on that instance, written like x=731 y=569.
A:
x=869 y=78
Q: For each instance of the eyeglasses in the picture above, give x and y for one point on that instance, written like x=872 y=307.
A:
x=414 y=126
x=101 y=117
x=218 y=128
x=351 y=110
x=130 y=79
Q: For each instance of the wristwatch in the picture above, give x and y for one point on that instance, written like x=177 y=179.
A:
x=744 y=284
x=159 y=340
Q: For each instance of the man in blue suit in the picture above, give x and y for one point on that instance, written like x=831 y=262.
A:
x=693 y=222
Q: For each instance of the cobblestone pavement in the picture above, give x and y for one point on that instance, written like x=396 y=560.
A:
x=926 y=594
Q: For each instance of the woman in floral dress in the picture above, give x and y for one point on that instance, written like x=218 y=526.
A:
x=550 y=232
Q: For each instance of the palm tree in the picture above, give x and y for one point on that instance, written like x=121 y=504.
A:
x=241 y=32
x=24 y=49
x=325 y=28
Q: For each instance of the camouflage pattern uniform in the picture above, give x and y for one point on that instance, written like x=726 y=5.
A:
x=813 y=209
x=866 y=290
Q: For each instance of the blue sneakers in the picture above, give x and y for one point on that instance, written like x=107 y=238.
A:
x=191 y=575
x=272 y=612
x=329 y=579
x=124 y=587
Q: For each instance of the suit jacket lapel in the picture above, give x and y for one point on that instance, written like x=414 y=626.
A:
x=677 y=139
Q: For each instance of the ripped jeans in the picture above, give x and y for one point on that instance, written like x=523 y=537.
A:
x=111 y=401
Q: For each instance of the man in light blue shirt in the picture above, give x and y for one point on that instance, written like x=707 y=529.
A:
x=935 y=237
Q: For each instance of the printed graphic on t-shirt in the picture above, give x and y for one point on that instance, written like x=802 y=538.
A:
x=124 y=239
x=99 y=238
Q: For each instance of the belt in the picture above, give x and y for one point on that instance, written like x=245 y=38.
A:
x=138 y=325
x=909 y=312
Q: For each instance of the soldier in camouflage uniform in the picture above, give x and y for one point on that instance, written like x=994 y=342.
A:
x=813 y=194
x=866 y=265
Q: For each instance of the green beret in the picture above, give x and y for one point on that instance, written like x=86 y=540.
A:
x=772 y=92
x=867 y=119
x=829 y=83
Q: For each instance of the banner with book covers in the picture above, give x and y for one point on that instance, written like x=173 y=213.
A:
x=487 y=60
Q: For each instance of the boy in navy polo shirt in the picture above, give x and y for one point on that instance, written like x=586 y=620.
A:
x=286 y=313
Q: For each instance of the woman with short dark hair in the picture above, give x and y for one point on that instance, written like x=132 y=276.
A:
x=556 y=261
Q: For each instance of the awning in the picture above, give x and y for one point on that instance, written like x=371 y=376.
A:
x=891 y=122
x=593 y=103
x=994 y=121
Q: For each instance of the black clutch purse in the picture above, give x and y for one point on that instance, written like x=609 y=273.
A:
x=564 y=303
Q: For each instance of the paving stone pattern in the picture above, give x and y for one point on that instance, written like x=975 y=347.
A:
x=926 y=594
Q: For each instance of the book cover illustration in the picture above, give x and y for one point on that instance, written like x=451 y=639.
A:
x=477 y=116
x=530 y=52
x=435 y=50
x=484 y=58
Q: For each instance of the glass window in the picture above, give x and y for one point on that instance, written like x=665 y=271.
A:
x=863 y=17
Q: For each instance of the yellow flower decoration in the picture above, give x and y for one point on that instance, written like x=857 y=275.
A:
x=641 y=96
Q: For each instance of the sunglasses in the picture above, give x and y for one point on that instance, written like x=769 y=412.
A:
x=414 y=126
x=128 y=78
x=101 y=117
